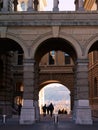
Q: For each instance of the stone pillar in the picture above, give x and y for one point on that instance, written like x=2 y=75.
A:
x=37 y=111
x=97 y=4
x=28 y=111
x=82 y=110
x=36 y=93
x=5 y=6
x=30 y=5
x=79 y=5
x=56 y=3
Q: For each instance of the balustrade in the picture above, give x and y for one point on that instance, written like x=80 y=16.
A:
x=33 y=5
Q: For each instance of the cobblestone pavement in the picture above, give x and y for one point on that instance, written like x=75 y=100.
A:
x=47 y=124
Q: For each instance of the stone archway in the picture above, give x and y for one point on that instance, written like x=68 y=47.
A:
x=80 y=71
x=58 y=95
x=73 y=42
x=10 y=52
x=90 y=42
x=44 y=48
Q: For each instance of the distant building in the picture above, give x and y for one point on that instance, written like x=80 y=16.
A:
x=90 y=5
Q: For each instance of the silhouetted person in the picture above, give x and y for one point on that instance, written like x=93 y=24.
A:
x=51 y=108
x=19 y=108
x=44 y=110
x=65 y=112
x=48 y=110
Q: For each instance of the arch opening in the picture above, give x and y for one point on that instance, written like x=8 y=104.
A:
x=58 y=95
x=55 y=61
x=56 y=44
x=11 y=56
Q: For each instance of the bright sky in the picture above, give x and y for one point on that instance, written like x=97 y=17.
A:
x=64 y=5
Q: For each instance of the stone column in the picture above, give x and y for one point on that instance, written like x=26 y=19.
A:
x=28 y=111
x=97 y=4
x=5 y=6
x=37 y=111
x=36 y=93
x=56 y=3
x=30 y=5
x=82 y=110
x=79 y=5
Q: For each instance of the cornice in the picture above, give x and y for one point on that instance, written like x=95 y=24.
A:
x=77 y=18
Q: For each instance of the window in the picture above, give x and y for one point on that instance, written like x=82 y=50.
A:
x=20 y=59
x=67 y=58
x=51 y=57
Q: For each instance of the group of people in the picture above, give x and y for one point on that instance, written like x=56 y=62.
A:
x=62 y=111
x=48 y=109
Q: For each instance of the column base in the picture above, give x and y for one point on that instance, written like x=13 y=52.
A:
x=82 y=113
x=81 y=9
x=37 y=111
x=55 y=9
x=30 y=9
x=4 y=10
x=27 y=113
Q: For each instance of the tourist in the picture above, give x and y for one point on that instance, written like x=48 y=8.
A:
x=51 y=109
x=44 y=110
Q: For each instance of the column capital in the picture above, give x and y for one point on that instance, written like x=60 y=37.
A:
x=82 y=61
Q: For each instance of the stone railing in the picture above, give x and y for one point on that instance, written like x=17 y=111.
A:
x=32 y=5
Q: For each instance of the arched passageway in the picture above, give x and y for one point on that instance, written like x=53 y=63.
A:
x=11 y=55
x=58 y=95
x=55 y=61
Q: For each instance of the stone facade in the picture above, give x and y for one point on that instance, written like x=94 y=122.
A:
x=34 y=34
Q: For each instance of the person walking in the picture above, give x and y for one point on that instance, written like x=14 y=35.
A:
x=19 y=109
x=51 y=109
x=44 y=110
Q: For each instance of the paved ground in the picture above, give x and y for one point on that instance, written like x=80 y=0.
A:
x=47 y=124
